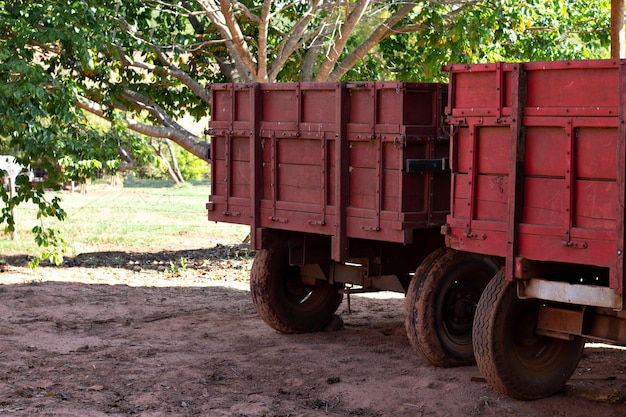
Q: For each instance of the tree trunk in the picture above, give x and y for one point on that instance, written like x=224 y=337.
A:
x=617 y=29
x=175 y=167
x=168 y=166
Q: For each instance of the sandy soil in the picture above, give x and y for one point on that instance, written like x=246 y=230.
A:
x=121 y=334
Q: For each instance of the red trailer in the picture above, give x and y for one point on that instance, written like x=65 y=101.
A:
x=345 y=186
x=538 y=180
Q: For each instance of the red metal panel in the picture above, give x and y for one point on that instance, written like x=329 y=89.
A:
x=545 y=201
x=543 y=144
x=221 y=104
x=572 y=88
x=329 y=158
x=492 y=191
x=493 y=150
x=281 y=104
x=319 y=104
x=546 y=247
x=596 y=156
x=480 y=90
x=595 y=205
x=549 y=171
x=391 y=107
x=230 y=171
x=388 y=123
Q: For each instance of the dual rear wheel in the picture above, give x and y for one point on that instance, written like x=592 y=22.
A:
x=460 y=310
x=440 y=305
x=283 y=301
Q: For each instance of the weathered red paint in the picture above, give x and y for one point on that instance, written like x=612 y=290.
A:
x=328 y=158
x=537 y=158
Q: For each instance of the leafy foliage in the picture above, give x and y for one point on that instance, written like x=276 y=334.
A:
x=192 y=167
x=502 y=30
x=45 y=54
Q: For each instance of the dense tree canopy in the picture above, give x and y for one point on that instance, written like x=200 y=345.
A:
x=142 y=65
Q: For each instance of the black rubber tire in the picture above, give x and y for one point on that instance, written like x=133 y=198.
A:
x=511 y=356
x=440 y=305
x=283 y=301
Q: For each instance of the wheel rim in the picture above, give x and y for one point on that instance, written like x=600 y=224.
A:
x=457 y=305
x=458 y=310
x=301 y=297
x=536 y=355
x=283 y=301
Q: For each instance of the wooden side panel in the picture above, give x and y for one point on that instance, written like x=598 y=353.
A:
x=231 y=176
x=572 y=87
x=299 y=170
x=298 y=133
x=480 y=90
x=389 y=123
x=571 y=160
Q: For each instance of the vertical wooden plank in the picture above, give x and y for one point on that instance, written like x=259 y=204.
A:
x=227 y=146
x=256 y=167
x=340 y=249
x=212 y=150
x=324 y=173
x=617 y=275
x=273 y=171
x=380 y=172
x=570 y=182
x=451 y=85
x=499 y=89
x=515 y=202
x=472 y=177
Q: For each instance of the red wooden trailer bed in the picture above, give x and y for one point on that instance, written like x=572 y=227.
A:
x=538 y=164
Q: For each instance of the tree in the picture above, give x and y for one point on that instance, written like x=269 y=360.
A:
x=503 y=30
x=141 y=65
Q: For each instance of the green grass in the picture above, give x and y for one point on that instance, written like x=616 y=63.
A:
x=141 y=216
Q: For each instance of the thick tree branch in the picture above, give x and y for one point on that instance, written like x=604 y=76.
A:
x=340 y=40
x=247 y=13
x=262 y=42
x=198 y=27
x=195 y=145
x=295 y=39
x=379 y=34
x=213 y=12
x=168 y=68
x=182 y=76
x=237 y=38
x=312 y=55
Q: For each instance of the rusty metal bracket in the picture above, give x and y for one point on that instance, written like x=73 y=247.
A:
x=399 y=143
x=480 y=236
x=317 y=222
x=574 y=244
x=278 y=219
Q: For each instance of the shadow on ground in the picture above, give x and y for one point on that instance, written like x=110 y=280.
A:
x=192 y=259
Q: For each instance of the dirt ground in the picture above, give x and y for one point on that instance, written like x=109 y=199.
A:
x=121 y=334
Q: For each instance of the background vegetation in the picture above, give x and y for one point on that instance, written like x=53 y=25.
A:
x=145 y=215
